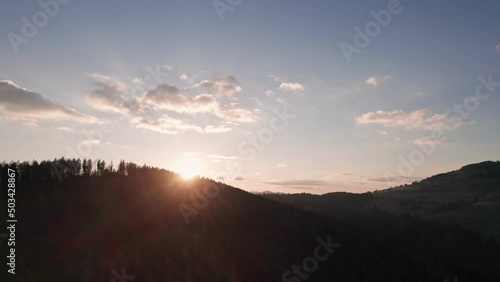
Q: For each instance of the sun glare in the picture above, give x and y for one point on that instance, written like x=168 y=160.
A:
x=188 y=168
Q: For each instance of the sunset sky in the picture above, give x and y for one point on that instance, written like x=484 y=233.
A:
x=260 y=95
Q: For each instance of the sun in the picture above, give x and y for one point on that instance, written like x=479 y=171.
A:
x=188 y=168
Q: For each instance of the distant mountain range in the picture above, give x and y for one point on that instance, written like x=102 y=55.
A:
x=469 y=197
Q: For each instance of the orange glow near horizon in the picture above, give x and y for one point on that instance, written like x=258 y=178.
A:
x=189 y=168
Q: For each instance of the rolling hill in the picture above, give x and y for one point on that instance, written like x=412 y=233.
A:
x=469 y=196
x=151 y=225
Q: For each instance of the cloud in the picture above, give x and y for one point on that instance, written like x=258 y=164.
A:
x=138 y=81
x=428 y=140
x=91 y=142
x=112 y=95
x=276 y=78
x=269 y=93
x=222 y=85
x=497 y=48
x=64 y=129
x=297 y=182
x=392 y=179
x=165 y=124
x=235 y=112
x=303 y=184
x=354 y=178
x=291 y=86
x=168 y=125
x=377 y=80
x=282 y=165
x=222 y=157
x=148 y=111
x=22 y=104
x=165 y=93
x=220 y=128
x=169 y=97
x=186 y=78
x=419 y=119
x=347 y=175
x=382 y=132
x=238 y=178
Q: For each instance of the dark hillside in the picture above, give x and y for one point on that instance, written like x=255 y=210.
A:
x=83 y=228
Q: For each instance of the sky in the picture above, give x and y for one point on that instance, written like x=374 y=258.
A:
x=285 y=96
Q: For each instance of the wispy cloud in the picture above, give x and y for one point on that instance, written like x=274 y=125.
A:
x=222 y=85
x=19 y=103
x=428 y=140
x=276 y=78
x=237 y=113
x=168 y=125
x=91 y=141
x=165 y=124
x=291 y=86
x=169 y=97
x=148 y=111
x=419 y=119
x=137 y=81
x=220 y=128
x=112 y=95
x=222 y=157
x=392 y=179
x=377 y=80
x=297 y=182
x=415 y=91
x=64 y=129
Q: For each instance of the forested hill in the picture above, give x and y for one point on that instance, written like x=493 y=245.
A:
x=469 y=196
x=81 y=223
